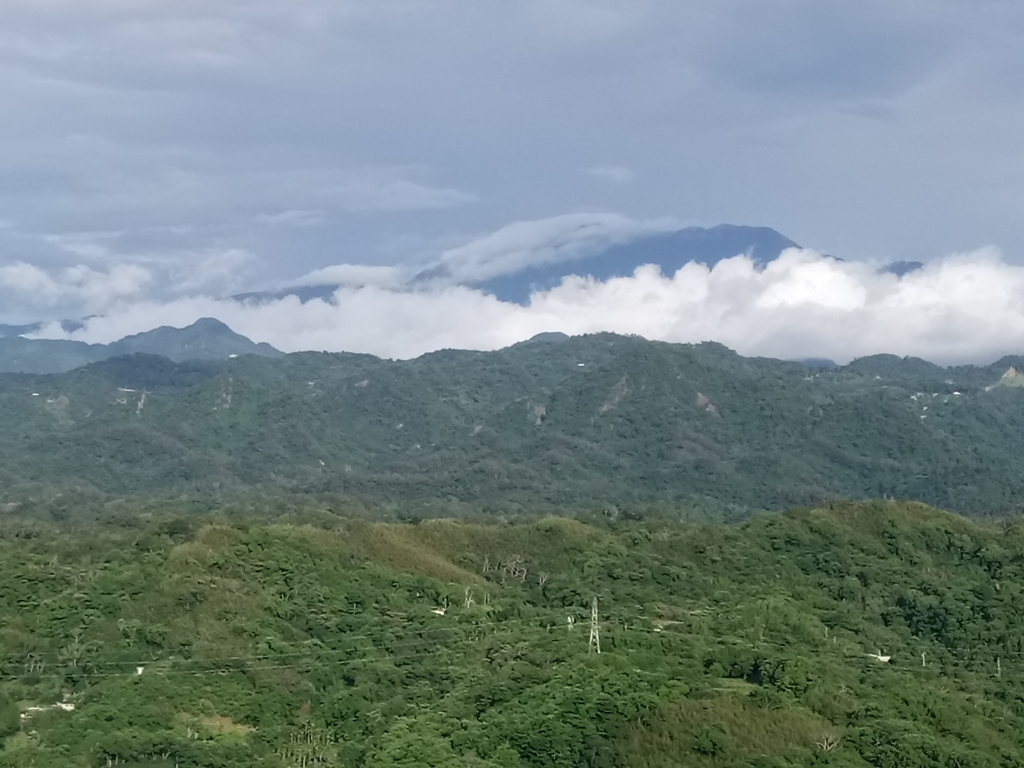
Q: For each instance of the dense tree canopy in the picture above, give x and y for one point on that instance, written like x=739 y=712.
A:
x=880 y=634
x=588 y=422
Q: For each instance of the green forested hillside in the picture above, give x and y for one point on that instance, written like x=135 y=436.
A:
x=173 y=643
x=591 y=421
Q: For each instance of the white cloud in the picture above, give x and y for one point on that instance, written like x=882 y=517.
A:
x=618 y=174
x=27 y=279
x=221 y=271
x=961 y=308
x=91 y=289
x=355 y=275
x=545 y=241
x=77 y=290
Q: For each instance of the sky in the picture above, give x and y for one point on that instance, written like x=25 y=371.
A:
x=157 y=156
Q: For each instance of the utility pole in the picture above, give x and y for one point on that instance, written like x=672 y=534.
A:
x=595 y=630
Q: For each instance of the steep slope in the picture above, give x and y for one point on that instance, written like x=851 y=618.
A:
x=860 y=635
x=205 y=339
x=591 y=420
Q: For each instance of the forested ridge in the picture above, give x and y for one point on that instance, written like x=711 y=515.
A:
x=882 y=634
x=594 y=421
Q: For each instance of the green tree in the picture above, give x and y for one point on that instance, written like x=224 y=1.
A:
x=10 y=717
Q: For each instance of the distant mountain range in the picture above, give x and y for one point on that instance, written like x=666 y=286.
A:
x=206 y=339
x=668 y=250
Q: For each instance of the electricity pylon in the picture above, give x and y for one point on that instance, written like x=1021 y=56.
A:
x=595 y=630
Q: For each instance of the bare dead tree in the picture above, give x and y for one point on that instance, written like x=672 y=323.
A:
x=828 y=742
x=514 y=568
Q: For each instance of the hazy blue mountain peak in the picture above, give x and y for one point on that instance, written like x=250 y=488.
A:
x=206 y=339
x=602 y=261
x=670 y=251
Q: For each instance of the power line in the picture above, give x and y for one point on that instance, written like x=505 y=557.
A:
x=320 y=656
x=54 y=657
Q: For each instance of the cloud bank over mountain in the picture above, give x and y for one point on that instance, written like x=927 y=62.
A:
x=959 y=308
x=523 y=244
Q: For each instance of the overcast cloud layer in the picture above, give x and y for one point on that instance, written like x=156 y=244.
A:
x=155 y=152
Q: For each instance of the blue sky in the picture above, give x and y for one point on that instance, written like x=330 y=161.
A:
x=155 y=150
